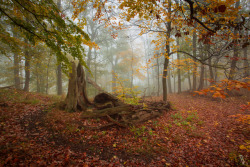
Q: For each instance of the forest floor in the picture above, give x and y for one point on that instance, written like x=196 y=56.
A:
x=198 y=131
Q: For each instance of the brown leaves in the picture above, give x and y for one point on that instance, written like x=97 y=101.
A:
x=197 y=133
x=221 y=8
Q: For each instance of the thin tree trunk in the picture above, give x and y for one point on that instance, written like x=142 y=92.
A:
x=27 y=71
x=47 y=78
x=16 y=66
x=235 y=53
x=166 y=56
x=16 y=71
x=59 y=67
x=148 y=76
x=113 y=75
x=205 y=71
x=194 y=54
x=169 y=81
x=59 y=80
x=95 y=70
x=132 y=69
x=246 y=64
x=174 y=82
x=178 y=70
x=201 y=85
x=211 y=74
x=189 y=80
x=158 y=77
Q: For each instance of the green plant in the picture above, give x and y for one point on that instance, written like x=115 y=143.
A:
x=185 y=123
x=95 y=136
x=176 y=122
x=155 y=123
x=200 y=122
x=150 y=132
x=166 y=129
x=31 y=101
x=193 y=116
x=177 y=116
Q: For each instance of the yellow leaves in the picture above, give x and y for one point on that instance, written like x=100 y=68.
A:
x=215 y=123
x=245 y=146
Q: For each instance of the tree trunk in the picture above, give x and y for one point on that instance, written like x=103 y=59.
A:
x=16 y=66
x=59 y=67
x=47 y=77
x=158 y=76
x=132 y=69
x=59 y=80
x=169 y=81
x=95 y=69
x=166 y=56
x=205 y=73
x=201 y=85
x=235 y=53
x=189 y=80
x=113 y=71
x=27 y=71
x=77 y=99
x=194 y=54
x=246 y=64
x=211 y=74
x=179 y=70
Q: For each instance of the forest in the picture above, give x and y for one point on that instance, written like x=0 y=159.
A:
x=124 y=83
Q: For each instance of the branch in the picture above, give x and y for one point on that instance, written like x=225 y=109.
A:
x=20 y=25
x=191 y=5
x=201 y=61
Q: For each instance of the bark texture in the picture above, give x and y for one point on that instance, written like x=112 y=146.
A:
x=77 y=99
x=121 y=114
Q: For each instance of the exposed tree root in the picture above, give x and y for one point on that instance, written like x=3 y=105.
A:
x=124 y=115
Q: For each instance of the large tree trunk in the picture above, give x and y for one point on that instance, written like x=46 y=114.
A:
x=77 y=99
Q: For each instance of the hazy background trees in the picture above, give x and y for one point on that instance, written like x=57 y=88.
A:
x=120 y=55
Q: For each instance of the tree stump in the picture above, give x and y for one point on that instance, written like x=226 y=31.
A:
x=77 y=99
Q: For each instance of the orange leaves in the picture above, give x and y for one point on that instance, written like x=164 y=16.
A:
x=219 y=94
x=242 y=118
x=220 y=90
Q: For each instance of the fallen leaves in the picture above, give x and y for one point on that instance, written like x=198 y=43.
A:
x=200 y=131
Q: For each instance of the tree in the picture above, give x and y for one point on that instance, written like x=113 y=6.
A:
x=157 y=16
x=40 y=21
x=179 y=70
